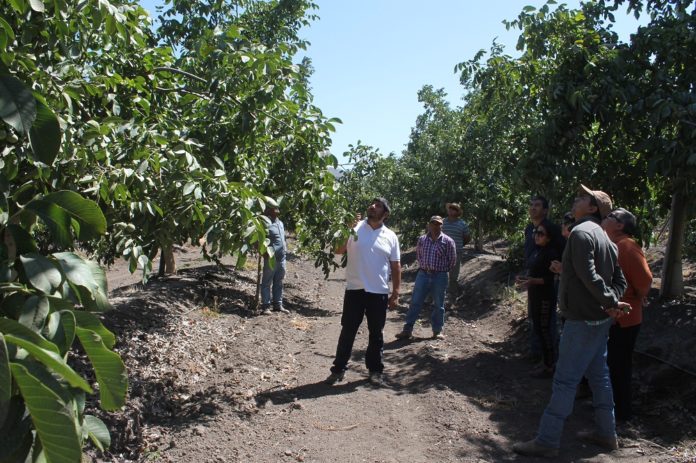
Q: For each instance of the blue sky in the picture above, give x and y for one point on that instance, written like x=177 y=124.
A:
x=372 y=56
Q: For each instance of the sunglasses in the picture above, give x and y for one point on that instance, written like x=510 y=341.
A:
x=611 y=215
x=539 y=232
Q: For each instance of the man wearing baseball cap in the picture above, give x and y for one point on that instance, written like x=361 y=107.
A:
x=437 y=254
x=591 y=285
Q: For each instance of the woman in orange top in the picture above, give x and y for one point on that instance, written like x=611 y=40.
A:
x=620 y=226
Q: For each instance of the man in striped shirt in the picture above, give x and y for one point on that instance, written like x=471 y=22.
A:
x=437 y=254
x=454 y=227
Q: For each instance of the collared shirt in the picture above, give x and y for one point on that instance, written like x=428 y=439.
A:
x=369 y=258
x=438 y=255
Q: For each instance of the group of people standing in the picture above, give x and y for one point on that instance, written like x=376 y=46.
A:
x=604 y=279
x=591 y=267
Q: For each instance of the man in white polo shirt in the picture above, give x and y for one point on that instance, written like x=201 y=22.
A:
x=373 y=254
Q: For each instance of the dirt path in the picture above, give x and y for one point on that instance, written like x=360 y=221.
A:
x=211 y=381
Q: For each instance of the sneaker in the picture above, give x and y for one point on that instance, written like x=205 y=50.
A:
x=376 y=379
x=609 y=443
x=266 y=310
x=404 y=335
x=334 y=378
x=438 y=335
x=532 y=449
x=280 y=308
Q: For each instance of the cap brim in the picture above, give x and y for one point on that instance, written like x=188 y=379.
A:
x=583 y=190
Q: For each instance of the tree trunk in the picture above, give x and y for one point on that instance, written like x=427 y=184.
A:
x=167 y=261
x=672 y=285
x=478 y=239
x=255 y=304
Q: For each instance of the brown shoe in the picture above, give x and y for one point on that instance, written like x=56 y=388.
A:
x=609 y=443
x=532 y=449
x=404 y=335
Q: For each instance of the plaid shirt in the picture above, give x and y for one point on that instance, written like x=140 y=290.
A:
x=437 y=255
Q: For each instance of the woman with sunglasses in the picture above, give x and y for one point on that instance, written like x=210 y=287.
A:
x=541 y=294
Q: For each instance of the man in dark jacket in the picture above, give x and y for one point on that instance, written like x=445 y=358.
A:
x=591 y=285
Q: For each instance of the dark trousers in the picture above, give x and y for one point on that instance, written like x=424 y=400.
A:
x=620 y=361
x=357 y=303
x=541 y=310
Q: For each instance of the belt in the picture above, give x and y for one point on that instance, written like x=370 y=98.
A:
x=425 y=270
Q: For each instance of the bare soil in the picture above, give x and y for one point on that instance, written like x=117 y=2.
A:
x=213 y=381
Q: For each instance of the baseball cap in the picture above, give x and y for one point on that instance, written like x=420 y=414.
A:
x=436 y=218
x=601 y=198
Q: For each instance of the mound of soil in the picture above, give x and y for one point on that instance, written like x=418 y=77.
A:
x=213 y=380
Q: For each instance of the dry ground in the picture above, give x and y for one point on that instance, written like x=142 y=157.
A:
x=212 y=381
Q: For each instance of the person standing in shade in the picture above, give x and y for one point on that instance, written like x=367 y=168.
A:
x=621 y=227
x=437 y=254
x=542 y=297
x=454 y=227
x=373 y=254
x=274 y=272
x=592 y=284
x=538 y=214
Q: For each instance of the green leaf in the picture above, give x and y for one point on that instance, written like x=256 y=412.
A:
x=5 y=381
x=60 y=329
x=108 y=367
x=52 y=360
x=86 y=274
x=23 y=240
x=17 y=104
x=4 y=25
x=15 y=433
x=86 y=212
x=37 y=5
x=18 y=330
x=41 y=272
x=18 y=5
x=57 y=210
x=188 y=188
x=34 y=313
x=91 y=322
x=45 y=135
x=55 y=218
x=53 y=421
x=97 y=432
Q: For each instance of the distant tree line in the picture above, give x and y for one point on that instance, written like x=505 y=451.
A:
x=577 y=106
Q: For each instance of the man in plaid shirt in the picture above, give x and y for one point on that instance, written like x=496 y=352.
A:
x=437 y=254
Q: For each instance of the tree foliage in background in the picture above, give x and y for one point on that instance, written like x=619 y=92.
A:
x=125 y=141
x=577 y=106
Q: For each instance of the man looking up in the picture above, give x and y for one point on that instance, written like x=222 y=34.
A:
x=436 y=255
x=454 y=227
x=591 y=285
x=373 y=253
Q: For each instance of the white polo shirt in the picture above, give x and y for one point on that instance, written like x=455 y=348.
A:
x=369 y=258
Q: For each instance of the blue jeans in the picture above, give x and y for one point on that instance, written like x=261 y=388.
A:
x=583 y=351
x=359 y=304
x=434 y=284
x=272 y=275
